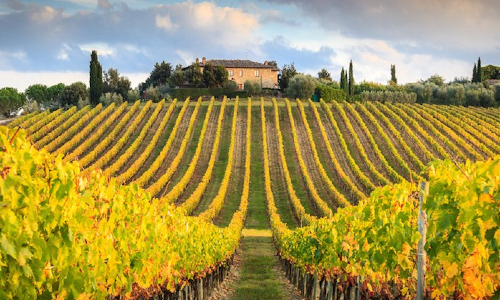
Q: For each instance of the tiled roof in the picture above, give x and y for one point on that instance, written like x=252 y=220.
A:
x=238 y=63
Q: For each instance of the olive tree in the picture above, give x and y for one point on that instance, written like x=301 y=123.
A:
x=301 y=86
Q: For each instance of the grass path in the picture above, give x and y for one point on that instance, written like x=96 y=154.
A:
x=256 y=273
x=261 y=276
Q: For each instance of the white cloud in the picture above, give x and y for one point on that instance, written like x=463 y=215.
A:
x=186 y=56
x=103 y=49
x=22 y=80
x=164 y=22
x=63 y=52
x=7 y=59
x=372 y=60
x=208 y=23
x=137 y=50
x=44 y=14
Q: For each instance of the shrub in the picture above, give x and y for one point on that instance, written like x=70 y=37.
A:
x=252 y=87
x=133 y=95
x=329 y=94
x=386 y=96
x=301 y=86
x=109 y=98
x=153 y=93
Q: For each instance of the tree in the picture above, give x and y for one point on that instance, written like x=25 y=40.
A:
x=209 y=77
x=153 y=93
x=352 y=84
x=393 y=74
x=74 y=93
x=496 y=89
x=287 y=73
x=325 y=75
x=490 y=72
x=301 y=86
x=133 y=95
x=194 y=75
x=214 y=76
x=342 y=81
x=38 y=92
x=10 y=101
x=474 y=73
x=221 y=75
x=159 y=76
x=108 y=98
x=177 y=78
x=436 y=79
x=96 y=84
x=479 y=72
x=272 y=63
x=114 y=83
x=55 y=92
x=252 y=87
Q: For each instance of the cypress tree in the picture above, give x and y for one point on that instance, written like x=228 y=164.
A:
x=393 y=74
x=342 y=82
x=479 y=75
x=474 y=74
x=96 y=83
x=351 y=80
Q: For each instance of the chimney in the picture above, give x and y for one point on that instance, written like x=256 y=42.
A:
x=265 y=63
x=197 y=60
x=204 y=60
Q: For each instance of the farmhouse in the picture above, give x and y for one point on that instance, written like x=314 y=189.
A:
x=492 y=82
x=243 y=70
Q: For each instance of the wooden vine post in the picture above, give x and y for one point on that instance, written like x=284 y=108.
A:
x=422 y=229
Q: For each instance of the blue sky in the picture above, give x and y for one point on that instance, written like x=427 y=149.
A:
x=50 y=41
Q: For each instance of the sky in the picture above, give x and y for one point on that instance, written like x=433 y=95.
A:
x=50 y=41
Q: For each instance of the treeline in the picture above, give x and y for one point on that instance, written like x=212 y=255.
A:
x=41 y=97
x=166 y=82
x=482 y=90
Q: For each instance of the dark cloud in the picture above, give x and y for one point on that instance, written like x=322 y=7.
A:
x=15 y=5
x=103 y=4
x=283 y=52
x=274 y=16
x=450 y=24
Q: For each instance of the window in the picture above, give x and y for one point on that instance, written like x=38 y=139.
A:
x=241 y=73
x=257 y=73
x=231 y=73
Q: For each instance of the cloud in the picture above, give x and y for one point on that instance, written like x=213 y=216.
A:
x=104 y=4
x=420 y=37
x=102 y=49
x=186 y=57
x=45 y=14
x=63 y=52
x=439 y=25
x=372 y=60
x=121 y=35
x=10 y=58
x=276 y=16
x=15 y=5
x=164 y=22
x=305 y=60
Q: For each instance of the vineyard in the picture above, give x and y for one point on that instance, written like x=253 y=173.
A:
x=147 y=199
